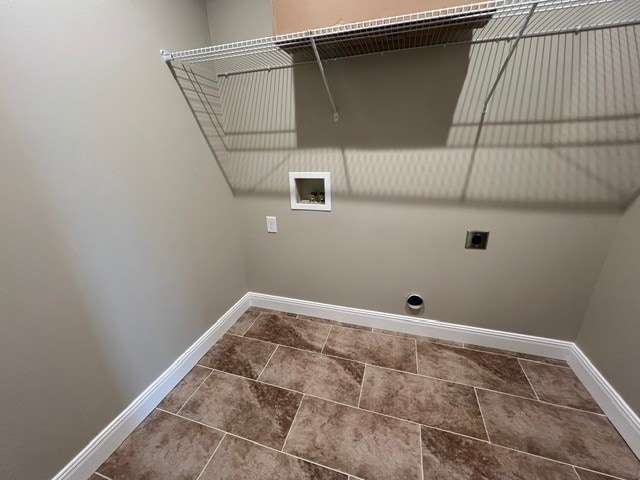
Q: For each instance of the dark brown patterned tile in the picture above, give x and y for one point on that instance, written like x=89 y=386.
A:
x=240 y=459
x=526 y=356
x=559 y=385
x=480 y=369
x=334 y=322
x=437 y=403
x=181 y=392
x=289 y=331
x=163 y=446
x=418 y=337
x=580 y=438
x=244 y=407
x=587 y=475
x=452 y=457
x=316 y=374
x=243 y=323
x=374 y=348
x=238 y=355
x=354 y=441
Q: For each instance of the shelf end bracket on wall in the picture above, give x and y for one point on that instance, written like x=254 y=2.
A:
x=324 y=79
x=485 y=106
x=166 y=56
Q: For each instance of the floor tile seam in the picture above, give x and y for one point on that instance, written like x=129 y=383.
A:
x=231 y=434
x=553 y=365
x=514 y=355
x=305 y=394
x=247 y=329
x=482 y=415
x=384 y=415
x=528 y=380
x=342 y=324
x=194 y=392
x=265 y=365
x=364 y=373
x=296 y=348
x=414 y=373
x=492 y=390
x=326 y=339
x=212 y=455
x=101 y=475
x=559 y=461
x=435 y=340
x=608 y=475
x=566 y=406
x=462 y=345
x=292 y=423
x=575 y=470
x=544 y=402
x=445 y=380
x=416 y=347
x=273 y=343
x=285 y=388
x=421 y=453
x=553 y=460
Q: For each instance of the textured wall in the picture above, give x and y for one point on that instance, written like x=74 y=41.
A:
x=610 y=334
x=118 y=245
x=544 y=179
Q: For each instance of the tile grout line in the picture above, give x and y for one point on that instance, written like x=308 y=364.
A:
x=340 y=403
x=247 y=329
x=252 y=441
x=265 y=365
x=482 y=415
x=101 y=475
x=326 y=339
x=416 y=345
x=211 y=457
x=513 y=355
x=194 y=392
x=419 y=374
x=423 y=338
x=483 y=388
x=292 y=422
x=528 y=379
x=421 y=451
x=364 y=374
x=375 y=413
x=575 y=470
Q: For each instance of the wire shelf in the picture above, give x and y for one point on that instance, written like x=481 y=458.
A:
x=496 y=20
x=543 y=98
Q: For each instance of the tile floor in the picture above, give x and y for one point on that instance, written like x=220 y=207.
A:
x=286 y=397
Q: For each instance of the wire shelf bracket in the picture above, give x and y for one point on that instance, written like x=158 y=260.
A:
x=514 y=45
x=336 y=117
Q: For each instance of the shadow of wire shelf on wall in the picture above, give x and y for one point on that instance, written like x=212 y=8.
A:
x=310 y=190
x=456 y=113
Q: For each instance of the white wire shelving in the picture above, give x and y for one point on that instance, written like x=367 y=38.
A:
x=242 y=94
x=496 y=20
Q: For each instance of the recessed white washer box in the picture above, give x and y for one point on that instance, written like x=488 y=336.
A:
x=310 y=190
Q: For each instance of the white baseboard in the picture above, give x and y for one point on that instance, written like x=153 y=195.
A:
x=611 y=403
x=547 y=347
x=104 y=444
x=616 y=409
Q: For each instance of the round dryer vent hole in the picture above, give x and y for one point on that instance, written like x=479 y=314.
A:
x=415 y=302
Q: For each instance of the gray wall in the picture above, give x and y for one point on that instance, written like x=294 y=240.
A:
x=399 y=158
x=118 y=244
x=610 y=334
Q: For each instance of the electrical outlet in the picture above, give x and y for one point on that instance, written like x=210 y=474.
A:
x=477 y=240
x=272 y=226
